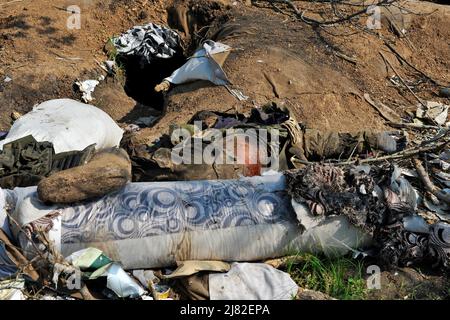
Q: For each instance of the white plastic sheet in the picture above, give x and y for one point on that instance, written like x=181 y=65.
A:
x=252 y=281
x=202 y=66
x=68 y=124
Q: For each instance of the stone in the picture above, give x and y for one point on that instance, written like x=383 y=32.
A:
x=306 y=294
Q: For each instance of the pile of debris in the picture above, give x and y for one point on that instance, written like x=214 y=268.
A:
x=87 y=214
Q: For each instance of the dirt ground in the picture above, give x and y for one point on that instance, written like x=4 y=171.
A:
x=320 y=73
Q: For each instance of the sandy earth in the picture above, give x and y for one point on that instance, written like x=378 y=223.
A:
x=275 y=58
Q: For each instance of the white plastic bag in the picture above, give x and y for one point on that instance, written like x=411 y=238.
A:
x=68 y=124
x=202 y=66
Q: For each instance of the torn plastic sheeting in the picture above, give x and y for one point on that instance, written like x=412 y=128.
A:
x=89 y=258
x=69 y=125
x=190 y=267
x=26 y=201
x=334 y=236
x=145 y=277
x=205 y=64
x=416 y=224
x=434 y=111
x=12 y=260
x=87 y=88
x=118 y=281
x=12 y=289
x=148 y=41
x=150 y=225
x=252 y=281
x=440 y=208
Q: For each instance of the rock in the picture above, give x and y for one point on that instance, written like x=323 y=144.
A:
x=306 y=294
x=106 y=172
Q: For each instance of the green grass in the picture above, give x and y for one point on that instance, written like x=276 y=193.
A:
x=112 y=52
x=341 y=278
x=120 y=73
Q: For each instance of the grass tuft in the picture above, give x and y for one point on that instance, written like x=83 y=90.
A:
x=341 y=278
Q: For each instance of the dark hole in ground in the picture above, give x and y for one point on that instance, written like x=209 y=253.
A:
x=142 y=77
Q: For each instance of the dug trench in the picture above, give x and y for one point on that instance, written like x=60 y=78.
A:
x=141 y=78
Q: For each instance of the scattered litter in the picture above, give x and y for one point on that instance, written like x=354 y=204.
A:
x=12 y=289
x=146 y=121
x=146 y=277
x=386 y=210
x=131 y=128
x=7 y=267
x=109 y=66
x=148 y=41
x=42 y=161
x=442 y=210
x=162 y=292
x=237 y=94
x=11 y=259
x=117 y=279
x=87 y=88
x=68 y=124
x=445 y=92
x=15 y=115
x=88 y=258
x=7 y=79
x=435 y=112
x=187 y=268
x=252 y=281
x=205 y=64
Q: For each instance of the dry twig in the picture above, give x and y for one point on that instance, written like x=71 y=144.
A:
x=403 y=81
x=429 y=185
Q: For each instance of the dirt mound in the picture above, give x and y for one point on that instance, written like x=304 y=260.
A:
x=308 y=68
x=320 y=72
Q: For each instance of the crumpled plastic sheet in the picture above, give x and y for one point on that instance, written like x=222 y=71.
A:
x=383 y=207
x=252 y=281
x=119 y=281
x=87 y=88
x=434 y=111
x=12 y=289
x=202 y=66
x=148 y=41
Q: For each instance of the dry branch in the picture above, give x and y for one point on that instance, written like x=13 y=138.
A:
x=429 y=184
